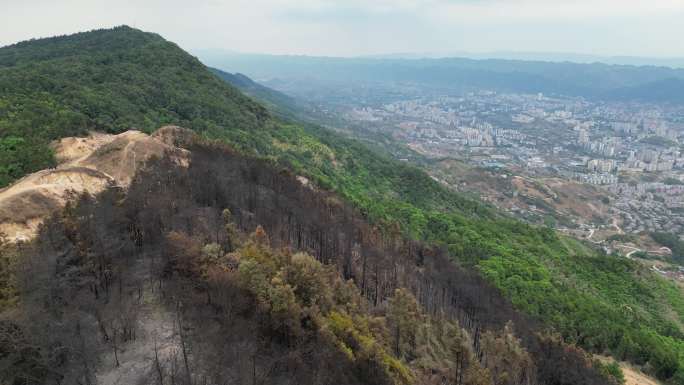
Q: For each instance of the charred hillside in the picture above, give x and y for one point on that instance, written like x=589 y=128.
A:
x=176 y=238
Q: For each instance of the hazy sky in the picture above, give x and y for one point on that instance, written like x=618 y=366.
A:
x=360 y=27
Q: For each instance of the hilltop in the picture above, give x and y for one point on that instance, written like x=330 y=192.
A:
x=109 y=81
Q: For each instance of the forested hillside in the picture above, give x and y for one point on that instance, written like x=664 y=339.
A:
x=107 y=80
x=112 y=80
x=282 y=104
x=315 y=296
x=605 y=303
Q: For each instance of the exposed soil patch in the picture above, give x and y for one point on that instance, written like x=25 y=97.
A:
x=86 y=165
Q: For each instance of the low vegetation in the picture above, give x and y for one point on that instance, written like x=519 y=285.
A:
x=624 y=238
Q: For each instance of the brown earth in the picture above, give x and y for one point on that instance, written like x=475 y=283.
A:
x=633 y=376
x=566 y=197
x=85 y=165
x=553 y=196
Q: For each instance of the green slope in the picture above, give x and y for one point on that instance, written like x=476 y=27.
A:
x=112 y=80
x=107 y=80
x=283 y=105
x=604 y=303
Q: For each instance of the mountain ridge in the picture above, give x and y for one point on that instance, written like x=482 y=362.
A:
x=85 y=166
x=107 y=80
x=596 y=80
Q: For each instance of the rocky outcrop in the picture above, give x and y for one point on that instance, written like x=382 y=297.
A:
x=89 y=165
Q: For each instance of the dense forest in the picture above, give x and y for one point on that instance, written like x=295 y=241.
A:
x=455 y=256
x=112 y=81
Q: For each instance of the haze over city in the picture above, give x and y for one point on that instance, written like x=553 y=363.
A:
x=355 y=27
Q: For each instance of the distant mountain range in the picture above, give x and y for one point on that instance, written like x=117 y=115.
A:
x=280 y=103
x=595 y=81
x=673 y=62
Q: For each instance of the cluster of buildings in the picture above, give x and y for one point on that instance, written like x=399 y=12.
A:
x=474 y=137
x=650 y=206
x=601 y=165
x=603 y=178
x=571 y=138
x=646 y=143
x=474 y=134
x=650 y=160
x=606 y=146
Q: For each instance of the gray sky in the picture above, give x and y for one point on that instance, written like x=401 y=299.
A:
x=361 y=27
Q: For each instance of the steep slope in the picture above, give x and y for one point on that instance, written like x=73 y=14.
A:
x=284 y=105
x=581 y=293
x=114 y=80
x=86 y=165
x=161 y=285
x=107 y=80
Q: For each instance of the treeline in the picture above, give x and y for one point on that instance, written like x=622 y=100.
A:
x=411 y=316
